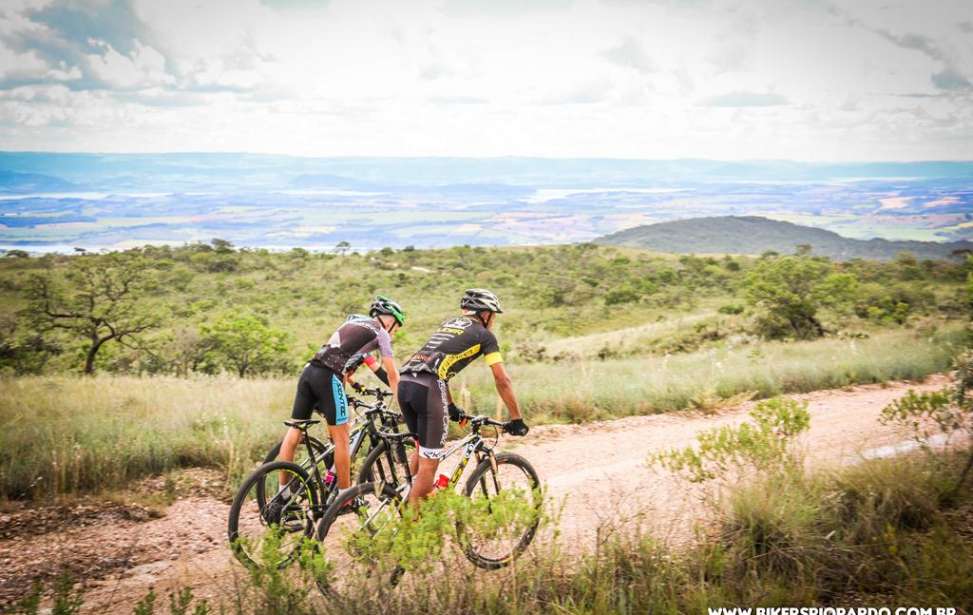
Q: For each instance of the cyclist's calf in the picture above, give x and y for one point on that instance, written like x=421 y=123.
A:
x=424 y=479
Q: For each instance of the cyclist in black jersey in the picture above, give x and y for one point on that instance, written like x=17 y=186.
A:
x=321 y=385
x=424 y=395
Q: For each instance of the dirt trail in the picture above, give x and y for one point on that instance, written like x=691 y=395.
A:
x=596 y=471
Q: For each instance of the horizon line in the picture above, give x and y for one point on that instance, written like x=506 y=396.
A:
x=473 y=157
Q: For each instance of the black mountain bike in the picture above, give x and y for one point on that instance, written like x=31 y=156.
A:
x=378 y=505
x=324 y=451
x=289 y=497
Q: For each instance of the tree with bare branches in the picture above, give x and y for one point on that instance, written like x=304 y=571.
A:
x=101 y=299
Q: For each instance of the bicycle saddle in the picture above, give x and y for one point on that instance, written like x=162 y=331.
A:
x=301 y=424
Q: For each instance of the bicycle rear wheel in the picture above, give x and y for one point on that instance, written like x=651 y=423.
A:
x=271 y=534
x=358 y=522
x=507 y=504
x=323 y=452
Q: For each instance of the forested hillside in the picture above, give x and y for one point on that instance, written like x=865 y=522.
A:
x=756 y=235
x=209 y=307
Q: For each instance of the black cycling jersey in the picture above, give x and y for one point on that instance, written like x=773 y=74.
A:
x=457 y=343
x=357 y=336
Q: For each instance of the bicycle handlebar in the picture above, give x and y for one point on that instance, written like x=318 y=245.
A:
x=376 y=392
x=479 y=421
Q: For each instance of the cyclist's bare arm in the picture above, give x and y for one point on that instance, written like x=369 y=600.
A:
x=506 y=390
x=391 y=371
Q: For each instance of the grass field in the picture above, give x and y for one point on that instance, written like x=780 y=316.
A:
x=68 y=435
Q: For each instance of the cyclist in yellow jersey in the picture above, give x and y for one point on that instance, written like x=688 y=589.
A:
x=423 y=391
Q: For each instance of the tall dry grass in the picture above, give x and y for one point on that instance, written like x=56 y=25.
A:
x=69 y=435
x=591 y=390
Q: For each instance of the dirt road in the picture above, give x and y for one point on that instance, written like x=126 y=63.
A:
x=596 y=472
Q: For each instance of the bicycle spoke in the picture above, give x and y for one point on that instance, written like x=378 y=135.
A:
x=505 y=513
x=271 y=534
x=353 y=541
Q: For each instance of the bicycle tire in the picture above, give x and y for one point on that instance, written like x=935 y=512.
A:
x=375 y=469
x=474 y=481
x=384 y=494
x=309 y=490
x=321 y=451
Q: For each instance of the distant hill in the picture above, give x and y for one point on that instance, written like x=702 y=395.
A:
x=12 y=181
x=756 y=235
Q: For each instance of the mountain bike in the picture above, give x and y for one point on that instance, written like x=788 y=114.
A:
x=367 y=415
x=288 y=498
x=324 y=451
x=379 y=505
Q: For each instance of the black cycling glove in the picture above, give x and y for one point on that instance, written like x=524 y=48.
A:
x=455 y=413
x=516 y=427
x=381 y=375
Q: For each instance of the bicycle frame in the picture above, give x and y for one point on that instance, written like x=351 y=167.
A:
x=365 y=427
x=474 y=445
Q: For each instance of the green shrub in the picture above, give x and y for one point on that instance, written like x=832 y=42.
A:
x=731 y=308
x=760 y=445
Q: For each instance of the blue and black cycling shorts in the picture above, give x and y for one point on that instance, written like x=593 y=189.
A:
x=320 y=389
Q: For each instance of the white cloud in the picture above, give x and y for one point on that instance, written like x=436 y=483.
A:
x=629 y=54
x=744 y=99
x=14 y=65
x=787 y=79
x=144 y=67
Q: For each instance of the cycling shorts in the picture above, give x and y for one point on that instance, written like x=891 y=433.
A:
x=425 y=406
x=320 y=389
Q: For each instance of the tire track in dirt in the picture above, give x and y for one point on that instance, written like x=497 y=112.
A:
x=595 y=473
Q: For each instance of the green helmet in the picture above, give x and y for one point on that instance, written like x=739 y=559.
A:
x=384 y=305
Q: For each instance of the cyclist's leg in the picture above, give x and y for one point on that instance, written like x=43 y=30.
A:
x=334 y=407
x=304 y=401
x=342 y=456
x=404 y=395
x=433 y=425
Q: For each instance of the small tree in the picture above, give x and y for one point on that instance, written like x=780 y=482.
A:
x=246 y=344
x=101 y=301
x=342 y=247
x=761 y=445
x=948 y=411
x=789 y=291
x=222 y=246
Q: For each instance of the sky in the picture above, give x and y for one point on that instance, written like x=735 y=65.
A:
x=658 y=79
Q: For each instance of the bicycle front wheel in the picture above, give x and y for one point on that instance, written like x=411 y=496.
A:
x=506 y=511
x=359 y=523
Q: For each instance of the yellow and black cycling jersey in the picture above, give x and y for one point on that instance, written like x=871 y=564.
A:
x=457 y=343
